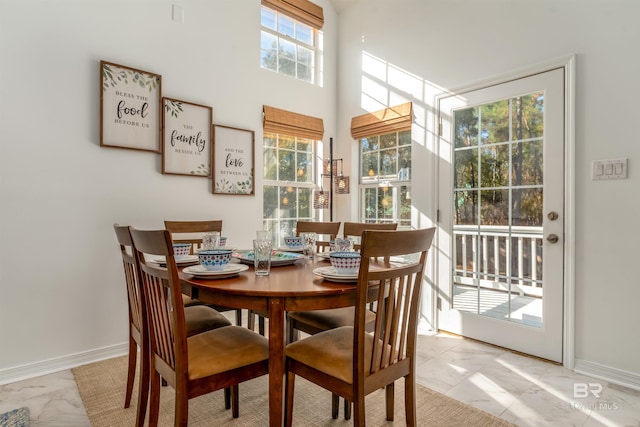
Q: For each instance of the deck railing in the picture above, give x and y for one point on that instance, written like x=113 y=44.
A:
x=499 y=257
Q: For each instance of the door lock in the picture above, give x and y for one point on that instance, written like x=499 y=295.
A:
x=552 y=238
x=552 y=216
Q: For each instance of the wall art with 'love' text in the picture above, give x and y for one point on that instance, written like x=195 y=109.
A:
x=233 y=164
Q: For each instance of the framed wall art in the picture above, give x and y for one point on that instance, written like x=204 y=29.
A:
x=233 y=164
x=129 y=108
x=187 y=134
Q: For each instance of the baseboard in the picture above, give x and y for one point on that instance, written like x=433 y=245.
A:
x=607 y=373
x=23 y=372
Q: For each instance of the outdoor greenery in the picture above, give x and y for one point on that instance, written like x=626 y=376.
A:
x=385 y=169
x=286 y=46
x=498 y=162
x=289 y=183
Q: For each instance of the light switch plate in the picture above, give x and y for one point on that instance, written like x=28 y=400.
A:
x=609 y=169
x=177 y=13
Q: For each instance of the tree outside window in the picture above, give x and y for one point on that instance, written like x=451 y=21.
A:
x=385 y=178
x=288 y=184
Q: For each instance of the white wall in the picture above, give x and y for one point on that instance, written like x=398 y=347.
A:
x=444 y=45
x=62 y=294
x=61 y=289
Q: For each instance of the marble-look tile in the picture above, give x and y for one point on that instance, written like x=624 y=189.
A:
x=519 y=389
x=440 y=375
x=53 y=400
x=483 y=392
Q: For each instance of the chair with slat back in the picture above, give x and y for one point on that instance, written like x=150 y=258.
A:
x=328 y=229
x=196 y=365
x=198 y=319
x=312 y=322
x=191 y=232
x=353 y=363
x=355 y=229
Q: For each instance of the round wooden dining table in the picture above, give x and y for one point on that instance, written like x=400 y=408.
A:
x=292 y=287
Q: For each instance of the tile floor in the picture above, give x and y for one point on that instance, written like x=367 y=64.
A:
x=523 y=390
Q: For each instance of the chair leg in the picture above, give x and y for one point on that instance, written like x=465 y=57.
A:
x=239 y=317
x=227 y=398
x=143 y=388
x=235 y=401
x=182 y=409
x=335 y=406
x=131 y=370
x=154 y=399
x=261 y=325
x=347 y=409
x=410 y=399
x=389 y=400
x=358 y=411
x=289 y=389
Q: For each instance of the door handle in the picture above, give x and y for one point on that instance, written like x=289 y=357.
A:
x=552 y=238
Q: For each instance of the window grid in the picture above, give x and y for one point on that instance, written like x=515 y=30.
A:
x=290 y=47
x=385 y=174
x=289 y=182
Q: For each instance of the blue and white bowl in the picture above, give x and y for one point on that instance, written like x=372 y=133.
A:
x=181 y=250
x=293 y=242
x=223 y=241
x=347 y=263
x=214 y=259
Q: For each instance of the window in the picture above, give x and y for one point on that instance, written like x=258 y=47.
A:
x=288 y=183
x=385 y=164
x=289 y=46
x=385 y=178
x=289 y=169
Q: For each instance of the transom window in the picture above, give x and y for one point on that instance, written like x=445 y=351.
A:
x=385 y=178
x=289 y=46
x=289 y=181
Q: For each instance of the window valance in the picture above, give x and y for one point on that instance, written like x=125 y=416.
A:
x=392 y=119
x=293 y=124
x=301 y=10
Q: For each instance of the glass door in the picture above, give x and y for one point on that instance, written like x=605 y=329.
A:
x=501 y=204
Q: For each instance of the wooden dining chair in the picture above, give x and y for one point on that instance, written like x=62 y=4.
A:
x=191 y=232
x=328 y=229
x=312 y=322
x=354 y=230
x=351 y=362
x=195 y=365
x=197 y=319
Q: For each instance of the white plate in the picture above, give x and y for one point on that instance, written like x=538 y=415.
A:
x=332 y=275
x=189 y=259
x=288 y=249
x=278 y=258
x=324 y=255
x=228 y=271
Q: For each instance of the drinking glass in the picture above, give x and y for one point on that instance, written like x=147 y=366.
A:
x=308 y=244
x=263 y=235
x=344 y=245
x=211 y=240
x=262 y=257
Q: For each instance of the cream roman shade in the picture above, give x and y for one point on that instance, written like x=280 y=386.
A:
x=292 y=124
x=301 y=10
x=392 y=119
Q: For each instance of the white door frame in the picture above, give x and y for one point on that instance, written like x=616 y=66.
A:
x=568 y=63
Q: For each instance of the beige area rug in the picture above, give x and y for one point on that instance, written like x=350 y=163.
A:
x=102 y=388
